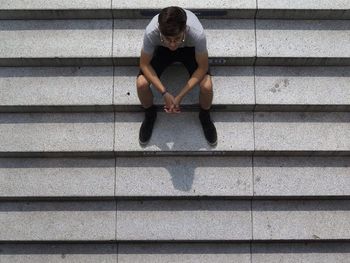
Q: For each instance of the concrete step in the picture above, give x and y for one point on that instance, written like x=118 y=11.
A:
x=58 y=221
x=176 y=177
x=38 y=178
x=310 y=132
x=302 y=88
x=58 y=253
x=35 y=42
x=251 y=88
x=86 y=134
x=120 y=9
x=303 y=42
x=55 y=9
x=195 y=176
x=273 y=177
x=184 y=220
x=237 y=47
x=233 y=88
x=175 y=220
x=315 y=252
x=45 y=42
x=312 y=252
x=309 y=9
x=40 y=89
x=231 y=220
x=274 y=133
x=301 y=220
x=235 y=133
x=55 y=42
x=61 y=89
x=303 y=9
x=310 y=177
x=32 y=134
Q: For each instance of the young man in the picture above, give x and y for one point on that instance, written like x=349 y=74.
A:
x=174 y=35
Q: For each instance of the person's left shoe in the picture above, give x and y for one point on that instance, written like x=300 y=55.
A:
x=147 y=125
x=208 y=127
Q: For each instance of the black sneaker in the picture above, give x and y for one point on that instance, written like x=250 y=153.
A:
x=208 y=127
x=147 y=125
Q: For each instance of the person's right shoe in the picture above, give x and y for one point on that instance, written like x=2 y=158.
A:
x=208 y=127
x=147 y=125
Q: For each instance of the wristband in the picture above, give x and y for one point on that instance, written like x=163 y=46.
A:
x=163 y=93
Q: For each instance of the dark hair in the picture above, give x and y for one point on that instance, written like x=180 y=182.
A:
x=172 y=21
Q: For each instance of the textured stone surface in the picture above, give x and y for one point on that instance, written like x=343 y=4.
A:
x=40 y=132
x=303 y=39
x=56 y=86
x=302 y=131
x=238 y=38
x=207 y=4
x=235 y=132
x=301 y=252
x=184 y=220
x=302 y=85
x=304 y=4
x=232 y=85
x=57 y=221
x=183 y=253
x=57 y=253
x=32 y=177
x=56 y=39
x=182 y=176
x=301 y=176
x=54 y=4
x=301 y=219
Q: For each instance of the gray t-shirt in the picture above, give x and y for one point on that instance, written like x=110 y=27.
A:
x=194 y=37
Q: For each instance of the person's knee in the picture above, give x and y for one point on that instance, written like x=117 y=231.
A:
x=206 y=86
x=141 y=83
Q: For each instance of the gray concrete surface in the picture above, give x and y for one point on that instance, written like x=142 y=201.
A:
x=234 y=129
x=232 y=85
x=301 y=252
x=206 y=4
x=56 y=132
x=238 y=38
x=301 y=176
x=184 y=220
x=57 y=39
x=183 y=176
x=57 y=221
x=76 y=177
x=54 y=4
x=302 y=131
x=303 y=40
x=183 y=252
x=56 y=86
x=297 y=86
x=309 y=9
x=304 y=4
x=301 y=220
x=57 y=253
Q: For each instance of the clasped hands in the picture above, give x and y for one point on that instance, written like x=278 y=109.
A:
x=172 y=104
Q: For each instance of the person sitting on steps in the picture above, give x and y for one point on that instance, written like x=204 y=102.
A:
x=174 y=35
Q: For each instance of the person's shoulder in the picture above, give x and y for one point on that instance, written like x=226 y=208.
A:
x=152 y=26
x=193 y=24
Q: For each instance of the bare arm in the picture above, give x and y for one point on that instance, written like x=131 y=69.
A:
x=197 y=76
x=151 y=76
x=149 y=73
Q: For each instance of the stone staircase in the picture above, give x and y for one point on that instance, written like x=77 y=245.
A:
x=76 y=186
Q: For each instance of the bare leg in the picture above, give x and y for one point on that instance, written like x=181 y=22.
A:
x=144 y=92
x=206 y=93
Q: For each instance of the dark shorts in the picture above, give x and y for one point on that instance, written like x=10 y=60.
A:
x=163 y=57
